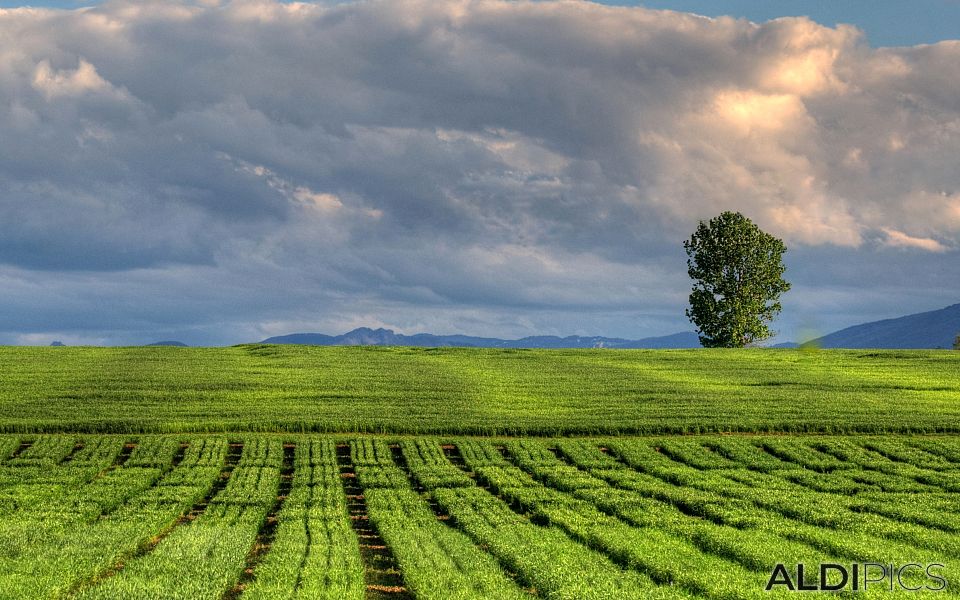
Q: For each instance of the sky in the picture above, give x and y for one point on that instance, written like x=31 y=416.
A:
x=220 y=172
x=883 y=22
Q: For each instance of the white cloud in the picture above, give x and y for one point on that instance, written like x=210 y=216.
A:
x=320 y=201
x=898 y=239
x=761 y=114
x=69 y=82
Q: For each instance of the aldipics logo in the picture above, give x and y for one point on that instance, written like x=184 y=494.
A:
x=857 y=577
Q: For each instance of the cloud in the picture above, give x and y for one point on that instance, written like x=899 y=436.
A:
x=67 y=83
x=464 y=162
x=898 y=239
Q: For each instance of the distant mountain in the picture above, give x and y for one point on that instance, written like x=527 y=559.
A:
x=934 y=329
x=786 y=345
x=169 y=343
x=365 y=336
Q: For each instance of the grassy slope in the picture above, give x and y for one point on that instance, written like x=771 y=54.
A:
x=410 y=390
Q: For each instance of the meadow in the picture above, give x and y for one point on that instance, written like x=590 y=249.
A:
x=292 y=516
x=264 y=472
x=265 y=388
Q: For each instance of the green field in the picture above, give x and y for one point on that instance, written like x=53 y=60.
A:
x=348 y=517
x=264 y=472
x=475 y=391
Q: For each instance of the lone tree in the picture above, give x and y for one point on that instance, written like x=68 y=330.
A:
x=738 y=277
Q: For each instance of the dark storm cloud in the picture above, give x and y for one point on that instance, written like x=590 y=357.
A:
x=225 y=171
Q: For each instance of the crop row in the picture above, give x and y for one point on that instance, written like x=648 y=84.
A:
x=660 y=543
x=223 y=532
x=866 y=483
x=822 y=454
x=108 y=517
x=59 y=546
x=40 y=477
x=725 y=502
x=437 y=560
x=753 y=538
x=752 y=527
x=315 y=553
x=542 y=555
x=836 y=525
x=428 y=465
x=372 y=460
x=175 y=521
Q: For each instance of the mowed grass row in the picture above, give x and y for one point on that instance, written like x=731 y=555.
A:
x=475 y=391
x=98 y=516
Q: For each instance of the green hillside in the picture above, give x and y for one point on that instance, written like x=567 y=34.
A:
x=475 y=391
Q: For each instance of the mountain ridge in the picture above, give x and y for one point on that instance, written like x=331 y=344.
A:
x=926 y=330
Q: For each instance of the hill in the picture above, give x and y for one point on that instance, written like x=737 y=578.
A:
x=933 y=329
x=457 y=391
x=169 y=343
x=364 y=336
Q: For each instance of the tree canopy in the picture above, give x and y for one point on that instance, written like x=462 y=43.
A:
x=737 y=270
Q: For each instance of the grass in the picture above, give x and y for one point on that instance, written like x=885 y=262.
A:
x=240 y=496
x=643 y=517
x=266 y=388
